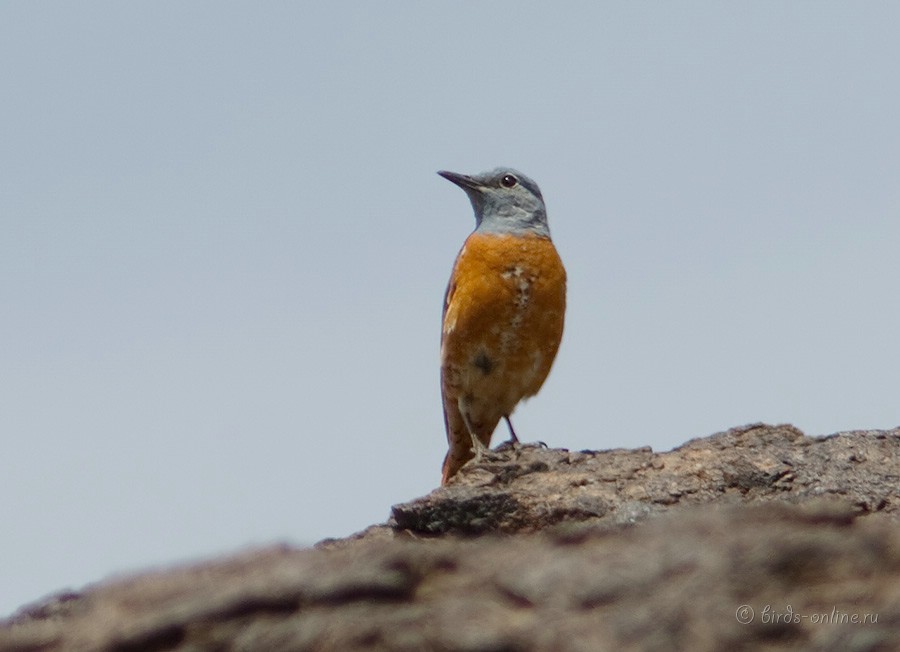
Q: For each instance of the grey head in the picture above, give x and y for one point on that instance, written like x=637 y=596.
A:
x=504 y=200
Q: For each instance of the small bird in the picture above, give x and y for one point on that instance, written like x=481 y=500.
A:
x=503 y=311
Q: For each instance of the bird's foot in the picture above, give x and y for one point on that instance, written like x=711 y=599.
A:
x=478 y=448
x=508 y=445
x=515 y=444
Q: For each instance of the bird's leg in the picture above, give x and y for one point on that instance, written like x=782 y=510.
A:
x=478 y=448
x=513 y=440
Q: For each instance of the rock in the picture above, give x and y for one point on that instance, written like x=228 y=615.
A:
x=531 y=488
x=756 y=538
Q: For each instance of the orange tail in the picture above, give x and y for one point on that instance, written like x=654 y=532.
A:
x=459 y=440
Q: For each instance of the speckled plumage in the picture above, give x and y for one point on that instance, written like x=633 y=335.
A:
x=503 y=313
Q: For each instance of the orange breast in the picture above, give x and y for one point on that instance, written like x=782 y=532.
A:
x=503 y=320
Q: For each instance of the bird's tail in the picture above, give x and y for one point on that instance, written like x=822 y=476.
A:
x=459 y=439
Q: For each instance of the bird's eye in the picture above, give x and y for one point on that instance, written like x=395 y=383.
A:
x=508 y=181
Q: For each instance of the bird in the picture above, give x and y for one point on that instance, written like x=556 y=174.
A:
x=504 y=311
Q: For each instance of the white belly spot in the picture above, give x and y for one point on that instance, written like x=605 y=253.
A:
x=522 y=283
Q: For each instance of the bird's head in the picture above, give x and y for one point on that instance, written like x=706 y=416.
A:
x=504 y=200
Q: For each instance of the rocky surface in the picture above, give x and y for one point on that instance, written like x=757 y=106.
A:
x=530 y=488
x=756 y=538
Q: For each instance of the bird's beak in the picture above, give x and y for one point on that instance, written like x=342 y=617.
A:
x=464 y=181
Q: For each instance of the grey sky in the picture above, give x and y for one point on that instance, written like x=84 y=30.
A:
x=224 y=248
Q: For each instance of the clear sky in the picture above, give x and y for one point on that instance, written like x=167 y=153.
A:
x=224 y=248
